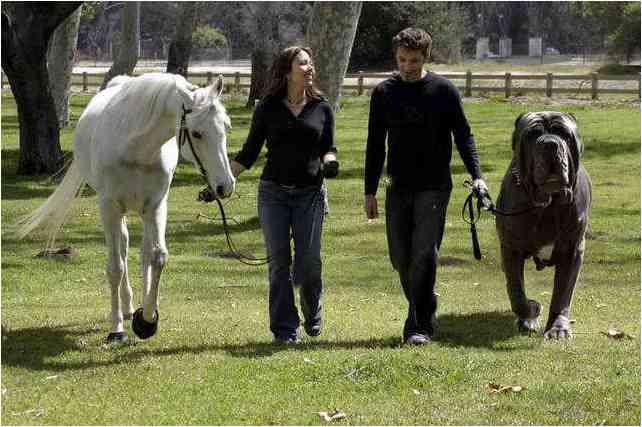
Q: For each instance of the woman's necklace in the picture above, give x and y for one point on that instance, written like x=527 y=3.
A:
x=297 y=103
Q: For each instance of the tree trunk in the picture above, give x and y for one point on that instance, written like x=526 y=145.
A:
x=181 y=46
x=266 y=47
x=26 y=31
x=331 y=31
x=60 y=63
x=127 y=55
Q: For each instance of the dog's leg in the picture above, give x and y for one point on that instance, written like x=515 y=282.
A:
x=566 y=274
x=527 y=310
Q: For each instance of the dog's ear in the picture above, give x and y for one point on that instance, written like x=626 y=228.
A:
x=572 y=116
x=519 y=118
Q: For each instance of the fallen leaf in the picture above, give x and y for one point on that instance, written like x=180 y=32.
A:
x=415 y=391
x=51 y=377
x=616 y=335
x=500 y=388
x=476 y=284
x=600 y=305
x=332 y=416
x=307 y=360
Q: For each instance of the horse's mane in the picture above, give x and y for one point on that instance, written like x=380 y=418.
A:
x=140 y=102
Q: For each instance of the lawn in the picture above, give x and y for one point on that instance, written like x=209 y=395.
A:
x=213 y=361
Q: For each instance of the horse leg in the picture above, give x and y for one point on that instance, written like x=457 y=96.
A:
x=112 y=218
x=126 y=295
x=154 y=257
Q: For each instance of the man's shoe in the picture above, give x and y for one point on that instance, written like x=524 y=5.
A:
x=417 y=339
x=286 y=340
x=314 y=330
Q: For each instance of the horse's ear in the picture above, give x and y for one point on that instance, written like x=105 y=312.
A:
x=217 y=88
x=186 y=94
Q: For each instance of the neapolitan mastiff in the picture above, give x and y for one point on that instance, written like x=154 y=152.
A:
x=546 y=195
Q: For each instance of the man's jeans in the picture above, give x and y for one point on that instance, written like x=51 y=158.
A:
x=299 y=211
x=414 y=227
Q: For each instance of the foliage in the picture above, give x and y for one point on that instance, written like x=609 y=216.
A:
x=626 y=37
x=446 y=22
x=617 y=69
x=208 y=37
x=213 y=363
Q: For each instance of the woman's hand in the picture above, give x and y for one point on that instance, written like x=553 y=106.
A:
x=237 y=168
x=330 y=165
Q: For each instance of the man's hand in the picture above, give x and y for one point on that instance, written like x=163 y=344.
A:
x=479 y=185
x=371 y=206
x=237 y=168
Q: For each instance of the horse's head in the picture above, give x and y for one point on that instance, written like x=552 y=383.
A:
x=207 y=124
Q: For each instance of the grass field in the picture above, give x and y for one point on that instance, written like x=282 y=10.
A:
x=213 y=362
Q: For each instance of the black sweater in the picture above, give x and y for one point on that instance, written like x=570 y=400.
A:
x=419 y=119
x=295 y=144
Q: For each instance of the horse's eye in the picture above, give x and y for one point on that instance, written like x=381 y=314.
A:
x=196 y=134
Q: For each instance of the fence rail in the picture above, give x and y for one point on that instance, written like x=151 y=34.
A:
x=587 y=83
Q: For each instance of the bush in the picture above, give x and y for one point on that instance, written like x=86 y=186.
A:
x=618 y=69
x=208 y=37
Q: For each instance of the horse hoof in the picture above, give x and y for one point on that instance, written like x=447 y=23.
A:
x=142 y=328
x=117 y=338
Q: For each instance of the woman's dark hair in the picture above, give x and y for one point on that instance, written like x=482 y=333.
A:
x=413 y=38
x=282 y=65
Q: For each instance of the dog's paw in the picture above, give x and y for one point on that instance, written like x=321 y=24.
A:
x=561 y=328
x=529 y=326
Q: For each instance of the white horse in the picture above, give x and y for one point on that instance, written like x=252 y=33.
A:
x=126 y=149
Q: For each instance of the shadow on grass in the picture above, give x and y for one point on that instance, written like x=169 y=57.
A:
x=479 y=330
x=38 y=348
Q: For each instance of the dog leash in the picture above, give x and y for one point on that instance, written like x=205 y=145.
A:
x=484 y=203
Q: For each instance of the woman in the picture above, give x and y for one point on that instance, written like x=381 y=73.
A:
x=297 y=126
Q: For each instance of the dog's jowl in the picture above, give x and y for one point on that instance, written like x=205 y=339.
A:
x=550 y=193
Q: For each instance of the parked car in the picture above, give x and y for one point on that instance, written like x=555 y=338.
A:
x=552 y=51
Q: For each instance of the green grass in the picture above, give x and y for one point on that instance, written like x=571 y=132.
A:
x=213 y=362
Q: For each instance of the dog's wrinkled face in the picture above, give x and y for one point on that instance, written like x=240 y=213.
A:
x=548 y=147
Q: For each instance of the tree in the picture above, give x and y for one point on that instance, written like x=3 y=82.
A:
x=181 y=46
x=26 y=31
x=274 y=26
x=127 y=50
x=446 y=22
x=60 y=63
x=626 y=37
x=330 y=34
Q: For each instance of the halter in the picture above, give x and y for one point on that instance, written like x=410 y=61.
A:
x=183 y=134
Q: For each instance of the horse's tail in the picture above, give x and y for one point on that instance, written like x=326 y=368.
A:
x=52 y=214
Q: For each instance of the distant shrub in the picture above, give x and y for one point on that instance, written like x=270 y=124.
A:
x=205 y=37
x=618 y=69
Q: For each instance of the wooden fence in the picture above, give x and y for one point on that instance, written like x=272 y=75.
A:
x=360 y=82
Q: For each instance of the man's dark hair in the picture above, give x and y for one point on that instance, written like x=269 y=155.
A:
x=413 y=38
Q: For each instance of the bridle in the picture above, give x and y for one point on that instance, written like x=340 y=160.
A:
x=183 y=135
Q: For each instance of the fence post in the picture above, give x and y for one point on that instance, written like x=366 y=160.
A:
x=639 y=86
x=237 y=82
x=508 y=84
x=549 y=84
x=84 y=81
x=469 y=83
x=209 y=78
x=594 y=85
x=360 y=82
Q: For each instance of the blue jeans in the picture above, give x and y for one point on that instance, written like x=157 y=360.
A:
x=296 y=212
x=414 y=228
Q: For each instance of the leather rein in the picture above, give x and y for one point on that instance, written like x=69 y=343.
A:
x=184 y=136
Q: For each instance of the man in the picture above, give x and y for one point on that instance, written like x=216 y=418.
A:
x=418 y=113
